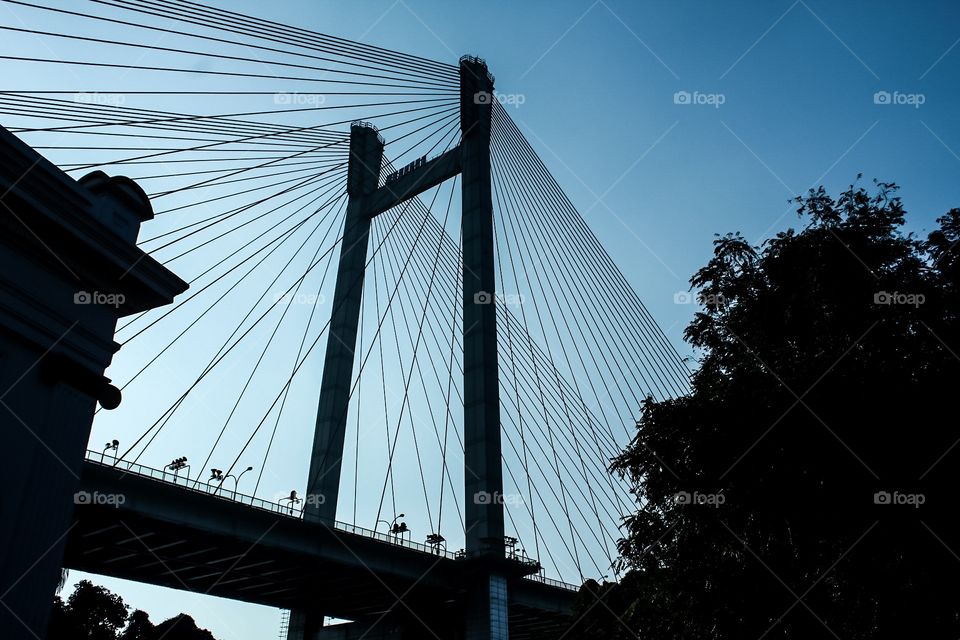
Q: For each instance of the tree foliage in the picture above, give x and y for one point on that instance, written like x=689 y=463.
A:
x=802 y=488
x=181 y=627
x=93 y=612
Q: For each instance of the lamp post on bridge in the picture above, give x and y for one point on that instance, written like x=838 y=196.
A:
x=217 y=474
x=438 y=542
x=176 y=465
x=392 y=523
x=292 y=499
x=112 y=445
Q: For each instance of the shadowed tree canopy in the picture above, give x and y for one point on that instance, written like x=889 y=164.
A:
x=91 y=612
x=94 y=613
x=181 y=627
x=805 y=487
x=139 y=627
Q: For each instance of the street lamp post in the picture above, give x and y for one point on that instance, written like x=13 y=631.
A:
x=436 y=540
x=236 y=480
x=392 y=526
x=292 y=499
x=176 y=465
x=217 y=474
x=400 y=529
x=112 y=445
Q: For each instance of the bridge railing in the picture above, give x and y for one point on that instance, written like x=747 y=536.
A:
x=286 y=510
x=560 y=584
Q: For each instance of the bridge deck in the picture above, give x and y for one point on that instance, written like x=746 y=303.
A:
x=187 y=538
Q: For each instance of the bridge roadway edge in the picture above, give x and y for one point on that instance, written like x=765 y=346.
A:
x=172 y=536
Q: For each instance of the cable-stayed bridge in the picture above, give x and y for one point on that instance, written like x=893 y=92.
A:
x=403 y=363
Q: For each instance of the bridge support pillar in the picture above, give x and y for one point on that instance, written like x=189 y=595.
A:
x=69 y=267
x=486 y=615
x=304 y=625
x=323 y=481
x=363 y=172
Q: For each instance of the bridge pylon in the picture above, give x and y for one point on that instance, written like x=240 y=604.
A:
x=484 y=599
x=486 y=611
x=363 y=173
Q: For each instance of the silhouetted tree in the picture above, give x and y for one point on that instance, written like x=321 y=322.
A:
x=94 y=613
x=804 y=488
x=139 y=627
x=182 y=627
x=90 y=613
x=57 y=627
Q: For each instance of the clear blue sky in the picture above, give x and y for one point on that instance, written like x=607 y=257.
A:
x=781 y=98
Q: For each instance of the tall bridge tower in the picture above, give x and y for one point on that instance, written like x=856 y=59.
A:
x=485 y=612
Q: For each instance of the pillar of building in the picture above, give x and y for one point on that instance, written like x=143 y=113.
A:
x=69 y=268
x=486 y=613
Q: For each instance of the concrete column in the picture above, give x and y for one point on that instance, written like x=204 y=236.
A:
x=483 y=472
x=304 y=625
x=69 y=267
x=323 y=483
x=486 y=615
